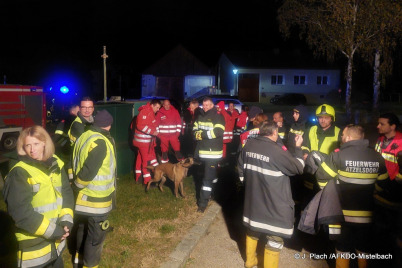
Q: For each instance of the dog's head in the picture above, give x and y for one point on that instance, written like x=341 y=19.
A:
x=188 y=162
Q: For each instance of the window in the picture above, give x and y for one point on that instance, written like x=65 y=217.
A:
x=277 y=80
x=322 y=80
x=300 y=80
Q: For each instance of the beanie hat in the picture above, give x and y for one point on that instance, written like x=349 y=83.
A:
x=254 y=110
x=103 y=119
x=221 y=105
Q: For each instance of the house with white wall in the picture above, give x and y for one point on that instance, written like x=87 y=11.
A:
x=259 y=80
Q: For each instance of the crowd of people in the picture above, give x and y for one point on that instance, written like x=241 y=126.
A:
x=294 y=174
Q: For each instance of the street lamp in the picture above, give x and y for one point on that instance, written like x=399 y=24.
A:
x=236 y=86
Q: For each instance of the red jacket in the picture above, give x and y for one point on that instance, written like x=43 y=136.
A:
x=145 y=126
x=229 y=123
x=242 y=120
x=169 y=122
x=249 y=134
x=391 y=155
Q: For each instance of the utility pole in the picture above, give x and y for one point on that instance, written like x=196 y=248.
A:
x=104 y=56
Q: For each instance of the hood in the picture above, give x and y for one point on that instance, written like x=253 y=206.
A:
x=148 y=105
x=254 y=110
x=221 y=105
x=302 y=112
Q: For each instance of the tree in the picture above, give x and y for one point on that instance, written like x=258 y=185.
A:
x=386 y=26
x=332 y=26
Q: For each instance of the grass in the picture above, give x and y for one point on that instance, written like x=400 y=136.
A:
x=146 y=226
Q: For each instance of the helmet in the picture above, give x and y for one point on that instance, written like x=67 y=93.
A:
x=325 y=109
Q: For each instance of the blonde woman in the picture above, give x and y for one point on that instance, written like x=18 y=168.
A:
x=40 y=200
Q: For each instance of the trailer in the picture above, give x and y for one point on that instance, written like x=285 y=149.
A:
x=21 y=106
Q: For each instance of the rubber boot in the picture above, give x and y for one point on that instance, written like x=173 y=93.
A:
x=342 y=263
x=251 y=252
x=362 y=263
x=271 y=258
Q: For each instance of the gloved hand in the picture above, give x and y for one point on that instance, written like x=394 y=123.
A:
x=198 y=135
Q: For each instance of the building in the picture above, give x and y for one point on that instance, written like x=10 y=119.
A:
x=177 y=75
x=258 y=76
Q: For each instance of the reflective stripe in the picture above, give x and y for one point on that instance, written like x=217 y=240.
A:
x=358 y=219
x=142 y=135
x=274 y=244
x=328 y=170
x=334 y=229
x=35 y=257
x=100 y=187
x=143 y=141
x=50 y=230
x=297 y=132
x=214 y=180
x=263 y=170
x=61 y=246
x=210 y=156
x=46 y=208
x=358 y=175
x=356 y=181
x=205 y=188
x=301 y=161
x=287 y=231
x=241 y=178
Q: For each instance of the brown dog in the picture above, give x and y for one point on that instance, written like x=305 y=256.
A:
x=175 y=172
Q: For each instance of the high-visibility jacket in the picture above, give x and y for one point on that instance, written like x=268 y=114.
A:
x=168 y=122
x=356 y=167
x=322 y=141
x=78 y=126
x=208 y=131
x=388 y=190
x=94 y=196
x=145 y=126
x=35 y=229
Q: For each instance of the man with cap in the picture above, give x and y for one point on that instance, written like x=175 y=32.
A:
x=94 y=167
x=254 y=111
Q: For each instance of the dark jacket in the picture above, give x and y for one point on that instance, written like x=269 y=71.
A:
x=211 y=126
x=266 y=167
x=79 y=126
x=324 y=209
x=297 y=127
x=356 y=168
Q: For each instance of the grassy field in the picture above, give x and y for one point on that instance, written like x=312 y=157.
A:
x=146 y=226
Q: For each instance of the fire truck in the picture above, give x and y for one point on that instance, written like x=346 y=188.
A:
x=21 y=106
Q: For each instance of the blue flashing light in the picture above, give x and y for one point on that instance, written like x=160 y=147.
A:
x=64 y=90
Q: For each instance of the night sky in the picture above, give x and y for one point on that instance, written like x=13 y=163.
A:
x=41 y=36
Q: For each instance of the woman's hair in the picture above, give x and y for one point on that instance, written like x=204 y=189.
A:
x=41 y=134
x=259 y=119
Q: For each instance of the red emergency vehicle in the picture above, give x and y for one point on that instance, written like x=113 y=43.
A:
x=21 y=106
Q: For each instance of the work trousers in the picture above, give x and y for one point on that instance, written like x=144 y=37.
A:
x=89 y=238
x=208 y=181
x=172 y=141
x=145 y=157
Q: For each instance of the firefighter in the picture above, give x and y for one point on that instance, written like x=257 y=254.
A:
x=254 y=132
x=83 y=120
x=169 y=123
x=282 y=127
x=323 y=138
x=356 y=167
x=63 y=145
x=299 y=125
x=94 y=166
x=146 y=129
x=265 y=168
x=228 y=133
x=389 y=191
x=253 y=112
x=189 y=116
x=40 y=200
x=208 y=132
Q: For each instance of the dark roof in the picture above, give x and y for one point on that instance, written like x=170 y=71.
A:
x=179 y=62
